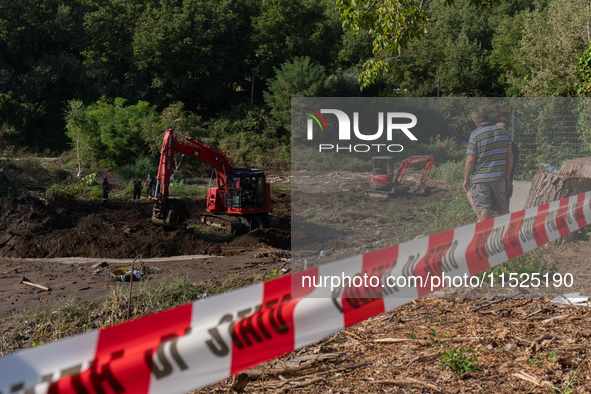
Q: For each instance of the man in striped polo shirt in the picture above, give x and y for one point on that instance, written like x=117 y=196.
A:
x=487 y=166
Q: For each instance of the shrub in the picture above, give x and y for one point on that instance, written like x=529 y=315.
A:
x=112 y=132
x=8 y=191
x=460 y=360
x=141 y=168
x=451 y=172
x=73 y=187
x=182 y=189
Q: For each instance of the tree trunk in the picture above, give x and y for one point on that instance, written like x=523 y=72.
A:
x=573 y=178
x=548 y=187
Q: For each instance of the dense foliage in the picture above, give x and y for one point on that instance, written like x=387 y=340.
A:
x=120 y=64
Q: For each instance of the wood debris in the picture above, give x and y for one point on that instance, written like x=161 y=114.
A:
x=404 y=351
x=27 y=282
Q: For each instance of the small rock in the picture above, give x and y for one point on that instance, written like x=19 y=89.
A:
x=99 y=265
x=80 y=268
x=509 y=347
x=324 y=253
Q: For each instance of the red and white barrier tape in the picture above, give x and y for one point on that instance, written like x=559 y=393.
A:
x=200 y=343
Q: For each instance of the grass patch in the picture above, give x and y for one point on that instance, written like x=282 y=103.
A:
x=49 y=323
x=448 y=215
x=451 y=172
x=311 y=212
x=281 y=187
x=371 y=221
x=184 y=190
x=528 y=263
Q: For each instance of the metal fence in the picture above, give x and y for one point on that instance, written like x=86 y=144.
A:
x=551 y=135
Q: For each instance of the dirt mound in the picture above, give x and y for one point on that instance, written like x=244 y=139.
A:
x=278 y=238
x=64 y=227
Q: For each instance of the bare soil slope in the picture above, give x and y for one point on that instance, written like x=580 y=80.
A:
x=35 y=234
x=65 y=227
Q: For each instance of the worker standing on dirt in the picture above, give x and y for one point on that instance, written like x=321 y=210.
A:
x=150 y=186
x=106 y=189
x=488 y=166
x=137 y=190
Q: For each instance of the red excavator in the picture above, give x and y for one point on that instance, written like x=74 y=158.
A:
x=384 y=185
x=240 y=201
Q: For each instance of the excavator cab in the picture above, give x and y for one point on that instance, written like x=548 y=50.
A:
x=382 y=167
x=247 y=189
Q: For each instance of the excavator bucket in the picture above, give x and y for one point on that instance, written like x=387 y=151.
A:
x=172 y=214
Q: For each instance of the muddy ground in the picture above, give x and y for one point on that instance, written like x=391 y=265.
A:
x=66 y=227
x=50 y=243
x=331 y=214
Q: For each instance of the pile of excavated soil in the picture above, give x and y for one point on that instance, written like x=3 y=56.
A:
x=64 y=227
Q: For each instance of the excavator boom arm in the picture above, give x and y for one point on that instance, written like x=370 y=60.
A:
x=167 y=212
x=194 y=149
x=411 y=160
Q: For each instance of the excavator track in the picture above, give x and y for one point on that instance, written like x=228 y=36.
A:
x=378 y=194
x=240 y=224
x=270 y=221
x=396 y=191
x=232 y=224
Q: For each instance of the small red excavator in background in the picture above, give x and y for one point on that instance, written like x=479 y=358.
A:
x=384 y=185
x=239 y=202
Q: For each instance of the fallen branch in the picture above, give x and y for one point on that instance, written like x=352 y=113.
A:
x=300 y=383
x=556 y=337
x=410 y=381
x=425 y=341
x=345 y=368
x=256 y=373
x=492 y=303
x=554 y=318
x=532 y=379
x=25 y=281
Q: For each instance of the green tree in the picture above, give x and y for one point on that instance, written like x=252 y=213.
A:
x=506 y=44
x=173 y=117
x=393 y=24
x=109 y=59
x=285 y=29
x=553 y=39
x=75 y=124
x=194 y=51
x=299 y=78
x=114 y=131
x=39 y=64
